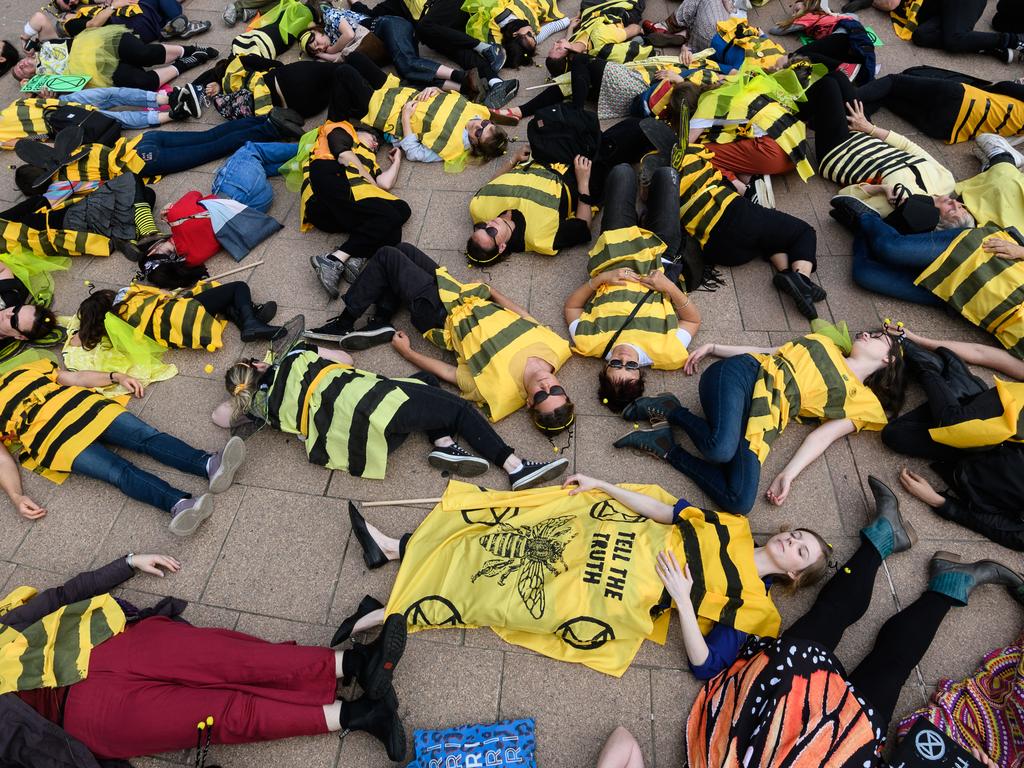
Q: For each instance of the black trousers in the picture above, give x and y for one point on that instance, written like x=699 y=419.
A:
x=585 y=72
x=353 y=85
x=443 y=28
x=949 y=25
x=662 y=205
x=439 y=413
x=908 y=433
x=134 y=56
x=394 y=277
x=825 y=111
x=901 y=642
x=747 y=231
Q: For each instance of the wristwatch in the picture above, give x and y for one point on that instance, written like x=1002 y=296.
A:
x=130 y=559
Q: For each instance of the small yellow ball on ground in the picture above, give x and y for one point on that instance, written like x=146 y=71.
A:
x=208 y=368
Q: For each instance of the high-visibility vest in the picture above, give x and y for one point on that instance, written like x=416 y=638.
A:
x=173 y=321
x=438 y=122
x=807 y=378
x=54 y=651
x=984 y=112
x=904 y=18
x=704 y=194
x=986 y=289
x=52 y=423
x=487 y=339
x=591 y=29
x=653 y=328
x=236 y=77
x=342 y=412
x=535 y=191
x=1002 y=423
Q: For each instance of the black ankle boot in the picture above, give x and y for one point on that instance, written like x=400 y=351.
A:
x=949 y=576
x=367 y=606
x=888 y=532
x=265 y=312
x=377 y=719
x=252 y=329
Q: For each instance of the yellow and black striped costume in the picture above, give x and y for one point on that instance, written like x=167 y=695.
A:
x=97 y=162
x=236 y=77
x=26 y=117
x=986 y=289
x=52 y=242
x=54 y=651
x=865 y=158
x=704 y=194
x=438 y=122
x=573 y=577
x=601 y=28
x=361 y=188
x=750 y=108
x=88 y=11
x=984 y=112
x=535 y=191
x=485 y=26
x=807 y=379
x=173 y=321
x=1004 y=422
x=756 y=46
x=258 y=42
x=52 y=423
x=492 y=345
x=904 y=18
x=654 y=327
x=343 y=413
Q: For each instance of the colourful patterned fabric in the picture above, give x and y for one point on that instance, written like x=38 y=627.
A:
x=985 y=711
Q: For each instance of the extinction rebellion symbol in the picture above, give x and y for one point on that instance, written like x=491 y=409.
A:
x=929 y=745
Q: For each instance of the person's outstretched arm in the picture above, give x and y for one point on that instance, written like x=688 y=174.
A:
x=444 y=371
x=972 y=353
x=10 y=481
x=810 y=449
x=640 y=503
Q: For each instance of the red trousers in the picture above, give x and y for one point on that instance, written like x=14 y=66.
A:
x=149 y=686
x=754 y=156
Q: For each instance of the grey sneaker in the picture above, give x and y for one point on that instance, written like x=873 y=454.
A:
x=352 y=267
x=230 y=14
x=189 y=514
x=225 y=464
x=329 y=270
x=495 y=55
x=194 y=28
x=501 y=94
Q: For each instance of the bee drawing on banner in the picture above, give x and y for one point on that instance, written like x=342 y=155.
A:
x=530 y=550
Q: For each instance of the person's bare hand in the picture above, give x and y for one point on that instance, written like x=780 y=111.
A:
x=401 y=342
x=581 y=165
x=582 y=483
x=920 y=488
x=28 y=509
x=134 y=386
x=678 y=581
x=983 y=758
x=692 y=364
x=46 y=93
x=427 y=93
x=856 y=119
x=1003 y=248
x=212 y=89
x=686 y=56
x=657 y=280
x=617 y=276
x=778 y=491
x=521 y=154
x=669 y=75
x=395 y=155
x=152 y=564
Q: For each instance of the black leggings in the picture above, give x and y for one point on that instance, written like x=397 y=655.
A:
x=353 y=85
x=395 y=277
x=748 y=231
x=900 y=644
x=134 y=56
x=438 y=413
x=229 y=300
x=949 y=25
x=443 y=28
x=825 y=111
x=586 y=73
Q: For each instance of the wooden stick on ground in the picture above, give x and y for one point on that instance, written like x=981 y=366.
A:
x=397 y=502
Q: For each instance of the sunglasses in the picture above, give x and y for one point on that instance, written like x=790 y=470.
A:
x=14 y=317
x=543 y=395
x=629 y=365
x=480 y=129
x=492 y=231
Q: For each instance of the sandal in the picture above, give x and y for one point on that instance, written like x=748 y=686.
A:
x=506 y=116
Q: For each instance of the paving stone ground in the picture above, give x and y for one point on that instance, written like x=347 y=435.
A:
x=277 y=559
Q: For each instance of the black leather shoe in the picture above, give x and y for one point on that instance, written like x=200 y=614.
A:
x=378 y=719
x=655 y=440
x=887 y=506
x=367 y=606
x=789 y=283
x=373 y=555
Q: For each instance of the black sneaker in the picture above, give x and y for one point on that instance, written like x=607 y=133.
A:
x=265 y=312
x=651 y=408
x=815 y=291
x=789 y=282
x=381 y=657
x=380 y=719
x=655 y=440
x=453 y=458
x=501 y=94
x=847 y=210
x=185 y=101
x=333 y=330
x=495 y=55
x=534 y=473
x=370 y=335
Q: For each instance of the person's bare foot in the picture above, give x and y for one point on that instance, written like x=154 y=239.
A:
x=920 y=488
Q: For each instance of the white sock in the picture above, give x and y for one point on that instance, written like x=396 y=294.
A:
x=29 y=30
x=481 y=47
x=494 y=81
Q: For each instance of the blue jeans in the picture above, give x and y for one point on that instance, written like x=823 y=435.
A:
x=131 y=432
x=397 y=35
x=243 y=176
x=167 y=152
x=729 y=472
x=886 y=262
x=105 y=99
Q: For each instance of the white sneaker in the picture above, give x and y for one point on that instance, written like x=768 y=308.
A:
x=763 y=192
x=989 y=145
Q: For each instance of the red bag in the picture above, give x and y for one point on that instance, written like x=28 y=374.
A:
x=191 y=229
